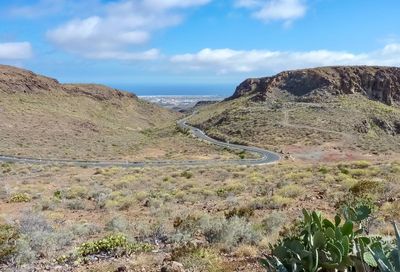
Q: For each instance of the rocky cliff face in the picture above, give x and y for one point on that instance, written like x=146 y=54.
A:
x=16 y=80
x=378 y=83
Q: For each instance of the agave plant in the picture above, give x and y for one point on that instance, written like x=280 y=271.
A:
x=387 y=261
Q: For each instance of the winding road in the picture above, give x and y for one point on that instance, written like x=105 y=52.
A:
x=266 y=157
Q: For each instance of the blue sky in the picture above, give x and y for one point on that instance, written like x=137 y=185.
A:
x=158 y=46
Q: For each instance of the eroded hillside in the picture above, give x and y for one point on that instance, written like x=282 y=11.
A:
x=323 y=113
x=41 y=118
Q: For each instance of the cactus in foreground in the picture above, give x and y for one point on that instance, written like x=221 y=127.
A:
x=387 y=261
x=323 y=245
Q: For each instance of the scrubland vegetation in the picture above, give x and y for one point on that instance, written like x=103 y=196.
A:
x=351 y=123
x=207 y=219
x=56 y=126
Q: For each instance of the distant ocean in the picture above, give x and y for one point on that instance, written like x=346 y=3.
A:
x=221 y=90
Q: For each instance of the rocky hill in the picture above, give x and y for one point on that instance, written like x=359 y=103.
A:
x=41 y=117
x=377 y=83
x=16 y=80
x=326 y=112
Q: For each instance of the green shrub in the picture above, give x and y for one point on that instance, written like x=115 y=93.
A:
x=202 y=260
x=21 y=197
x=323 y=170
x=278 y=202
x=187 y=174
x=245 y=212
x=57 y=194
x=114 y=245
x=291 y=191
x=361 y=164
x=8 y=239
x=366 y=187
x=343 y=169
x=75 y=192
x=387 y=260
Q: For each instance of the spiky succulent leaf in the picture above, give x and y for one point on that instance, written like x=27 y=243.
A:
x=380 y=257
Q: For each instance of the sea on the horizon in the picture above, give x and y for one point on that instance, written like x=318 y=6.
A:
x=220 y=90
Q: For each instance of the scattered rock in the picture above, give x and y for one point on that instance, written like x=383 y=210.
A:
x=397 y=127
x=363 y=127
x=173 y=267
x=121 y=269
x=384 y=125
x=146 y=203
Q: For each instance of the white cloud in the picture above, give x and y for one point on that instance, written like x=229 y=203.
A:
x=120 y=27
x=38 y=9
x=15 y=51
x=275 y=10
x=223 y=61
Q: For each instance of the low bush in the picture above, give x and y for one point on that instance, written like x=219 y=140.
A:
x=85 y=229
x=291 y=191
x=202 y=260
x=187 y=174
x=8 y=239
x=20 y=198
x=227 y=232
x=75 y=192
x=114 y=245
x=246 y=212
x=273 y=222
x=75 y=204
x=117 y=224
x=366 y=187
x=278 y=202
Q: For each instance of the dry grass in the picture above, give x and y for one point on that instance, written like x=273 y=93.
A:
x=80 y=127
x=223 y=215
x=331 y=127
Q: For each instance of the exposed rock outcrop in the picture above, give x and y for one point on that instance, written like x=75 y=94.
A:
x=378 y=83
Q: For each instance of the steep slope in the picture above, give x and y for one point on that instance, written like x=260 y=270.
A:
x=321 y=113
x=39 y=117
x=378 y=83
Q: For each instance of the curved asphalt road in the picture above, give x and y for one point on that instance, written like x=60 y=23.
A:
x=266 y=157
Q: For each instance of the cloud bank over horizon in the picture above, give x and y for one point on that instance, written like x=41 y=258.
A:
x=223 y=61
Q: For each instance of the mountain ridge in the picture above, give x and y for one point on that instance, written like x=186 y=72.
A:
x=17 y=80
x=376 y=82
